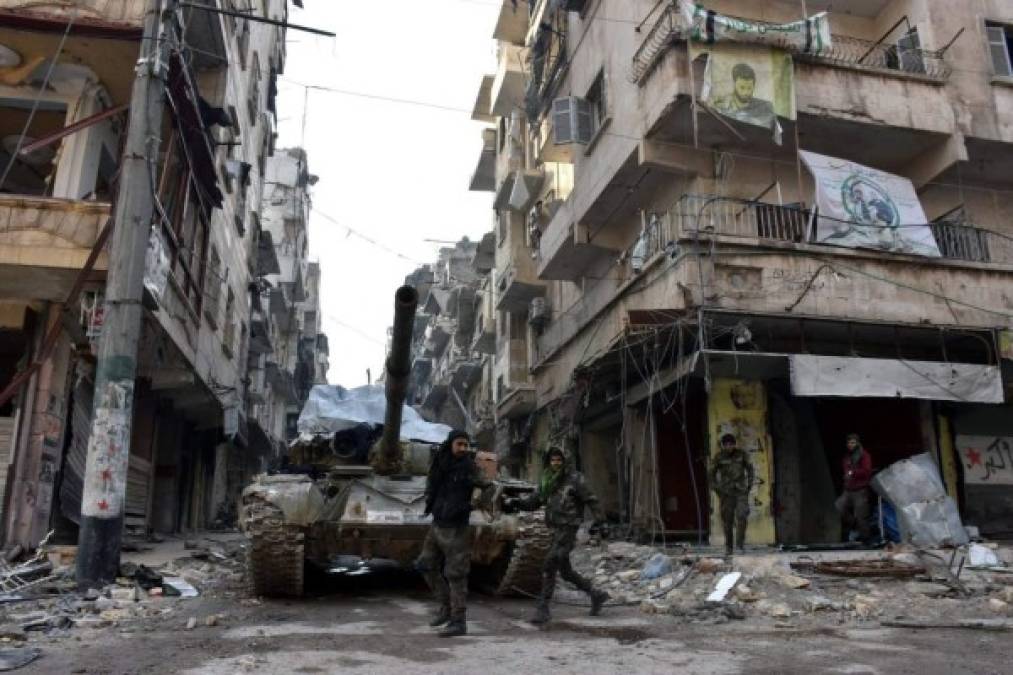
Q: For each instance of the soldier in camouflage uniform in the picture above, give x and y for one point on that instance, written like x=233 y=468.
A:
x=564 y=494
x=731 y=477
x=446 y=554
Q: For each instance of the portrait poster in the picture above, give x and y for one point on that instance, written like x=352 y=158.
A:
x=862 y=207
x=749 y=84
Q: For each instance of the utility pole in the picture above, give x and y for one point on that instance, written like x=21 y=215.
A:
x=105 y=478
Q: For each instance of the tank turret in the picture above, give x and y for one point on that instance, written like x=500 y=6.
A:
x=388 y=456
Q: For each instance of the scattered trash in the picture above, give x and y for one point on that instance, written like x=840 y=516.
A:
x=18 y=657
x=724 y=585
x=178 y=586
x=859 y=568
x=191 y=623
x=657 y=565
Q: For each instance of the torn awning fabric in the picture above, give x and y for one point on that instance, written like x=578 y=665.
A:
x=185 y=104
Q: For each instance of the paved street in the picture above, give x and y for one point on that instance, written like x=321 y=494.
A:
x=379 y=626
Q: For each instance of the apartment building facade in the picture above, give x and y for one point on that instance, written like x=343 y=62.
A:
x=680 y=253
x=66 y=75
x=290 y=352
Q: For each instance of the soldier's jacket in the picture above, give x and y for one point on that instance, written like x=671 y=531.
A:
x=449 y=488
x=731 y=472
x=565 y=504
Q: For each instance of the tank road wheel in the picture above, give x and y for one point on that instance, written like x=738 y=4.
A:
x=275 y=561
x=522 y=567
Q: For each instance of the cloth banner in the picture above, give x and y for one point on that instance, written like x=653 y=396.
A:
x=894 y=378
x=988 y=460
x=862 y=207
x=811 y=36
x=752 y=85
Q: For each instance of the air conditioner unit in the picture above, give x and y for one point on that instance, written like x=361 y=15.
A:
x=572 y=121
x=538 y=313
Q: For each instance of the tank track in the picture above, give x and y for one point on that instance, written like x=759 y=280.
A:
x=523 y=574
x=274 y=560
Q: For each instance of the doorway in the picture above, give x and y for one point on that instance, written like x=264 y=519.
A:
x=682 y=466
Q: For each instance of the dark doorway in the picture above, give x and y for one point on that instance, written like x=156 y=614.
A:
x=682 y=465
x=890 y=429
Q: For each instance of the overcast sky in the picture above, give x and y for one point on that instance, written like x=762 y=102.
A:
x=397 y=173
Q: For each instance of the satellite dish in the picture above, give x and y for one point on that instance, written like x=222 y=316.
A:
x=36 y=159
x=9 y=58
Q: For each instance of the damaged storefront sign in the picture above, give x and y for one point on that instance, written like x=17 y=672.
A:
x=894 y=378
x=987 y=460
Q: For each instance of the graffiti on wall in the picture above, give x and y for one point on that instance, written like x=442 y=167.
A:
x=987 y=460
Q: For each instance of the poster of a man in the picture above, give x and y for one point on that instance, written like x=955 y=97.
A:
x=751 y=84
x=741 y=103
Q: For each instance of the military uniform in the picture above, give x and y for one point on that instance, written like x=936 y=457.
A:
x=731 y=477
x=564 y=500
x=445 y=560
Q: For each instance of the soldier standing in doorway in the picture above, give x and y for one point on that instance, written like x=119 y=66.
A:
x=731 y=478
x=565 y=495
x=854 y=502
x=446 y=554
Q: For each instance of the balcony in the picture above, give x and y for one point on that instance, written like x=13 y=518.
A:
x=701 y=215
x=93 y=14
x=564 y=252
x=512 y=22
x=517 y=402
x=483 y=102
x=44 y=242
x=484 y=178
x=508 y=85
x=516 y=289
x=465 y=374
x=904 y=57
x=260 y=333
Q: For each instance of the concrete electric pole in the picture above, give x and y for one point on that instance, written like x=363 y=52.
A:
x=105 y=479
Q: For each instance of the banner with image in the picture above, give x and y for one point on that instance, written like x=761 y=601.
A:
x=862 y=207
x=810 y=36
x=749 y=84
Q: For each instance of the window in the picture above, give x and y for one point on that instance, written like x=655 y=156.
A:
x=253 y=101
x=1000 y=47
x=229 y=333
x=503 y=222
x=243 y=40
x=597 y=96
x=907 y=54
x=213 y=287
x=572 y=121
x=502 y=133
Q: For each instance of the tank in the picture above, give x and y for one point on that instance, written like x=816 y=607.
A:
x=360 y=491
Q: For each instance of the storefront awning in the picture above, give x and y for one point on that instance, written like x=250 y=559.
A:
x=894 y=378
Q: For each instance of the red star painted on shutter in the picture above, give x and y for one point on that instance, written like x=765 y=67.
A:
x=103 y=505
x=974 y=457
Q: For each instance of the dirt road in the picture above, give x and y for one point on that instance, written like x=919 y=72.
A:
x=379 y=626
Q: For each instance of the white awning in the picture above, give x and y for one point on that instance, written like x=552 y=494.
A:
x=894 y=378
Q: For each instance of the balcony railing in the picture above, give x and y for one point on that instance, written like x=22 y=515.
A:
x=850 y=52
x=695 y=215
x=903 y=56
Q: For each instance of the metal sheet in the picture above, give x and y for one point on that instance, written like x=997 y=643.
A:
x=894 y=378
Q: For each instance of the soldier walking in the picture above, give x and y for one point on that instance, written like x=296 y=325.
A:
x=563 y=492
x=446 y=554
x=731 y=478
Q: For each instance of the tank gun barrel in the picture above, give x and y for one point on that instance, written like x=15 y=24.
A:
x=398 y=368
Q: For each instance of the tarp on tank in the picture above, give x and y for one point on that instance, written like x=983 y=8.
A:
x=332 y=408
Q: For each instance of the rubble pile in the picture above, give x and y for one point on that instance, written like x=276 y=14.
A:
x=902 y=584
x=40 y=601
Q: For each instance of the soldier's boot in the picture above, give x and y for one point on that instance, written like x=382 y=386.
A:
x=598 y=600
x=441 y=617
x=541 y=615
x=456 y=627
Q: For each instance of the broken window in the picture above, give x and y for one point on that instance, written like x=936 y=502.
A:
x=32 y=173
x=1000 y=47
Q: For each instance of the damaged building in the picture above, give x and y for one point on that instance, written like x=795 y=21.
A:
x=66 y=71
x=730 y=217
x=453 y=340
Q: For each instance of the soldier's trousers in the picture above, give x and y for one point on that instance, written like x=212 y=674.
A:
x=854 y=507
x=445 y=562
x=557 y=562
x=734 y=516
